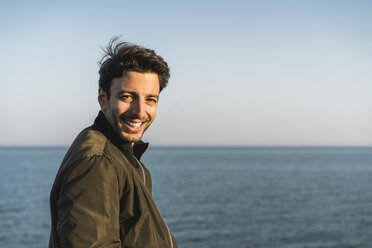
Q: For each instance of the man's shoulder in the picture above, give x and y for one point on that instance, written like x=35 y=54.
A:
x=89 y=143
x=90 y=153
x=90 y=146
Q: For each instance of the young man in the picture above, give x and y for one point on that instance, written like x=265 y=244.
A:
x=101 y=196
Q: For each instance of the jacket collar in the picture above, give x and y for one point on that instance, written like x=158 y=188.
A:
x=102 y=125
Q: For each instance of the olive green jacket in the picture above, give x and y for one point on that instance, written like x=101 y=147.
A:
x=101 y=196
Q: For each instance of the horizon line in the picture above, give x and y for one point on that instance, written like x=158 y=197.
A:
x=208 y=146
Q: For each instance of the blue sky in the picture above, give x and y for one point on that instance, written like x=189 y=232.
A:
x=242 y=72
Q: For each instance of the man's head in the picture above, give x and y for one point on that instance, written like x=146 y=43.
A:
x=131 y=78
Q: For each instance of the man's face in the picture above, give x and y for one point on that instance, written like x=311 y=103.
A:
x=132 y=105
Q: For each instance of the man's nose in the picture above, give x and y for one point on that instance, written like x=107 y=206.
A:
x=138 y=108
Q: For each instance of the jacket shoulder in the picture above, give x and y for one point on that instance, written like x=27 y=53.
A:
x=89 y=143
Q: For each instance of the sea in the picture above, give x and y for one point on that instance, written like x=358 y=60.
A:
x=230 y=197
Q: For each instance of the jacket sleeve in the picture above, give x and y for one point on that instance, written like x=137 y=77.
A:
x=88 y=205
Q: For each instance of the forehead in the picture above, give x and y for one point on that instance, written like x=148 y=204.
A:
x=138 y=82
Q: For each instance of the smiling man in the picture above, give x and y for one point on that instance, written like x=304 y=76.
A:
x=133 y=104
x=101 y=196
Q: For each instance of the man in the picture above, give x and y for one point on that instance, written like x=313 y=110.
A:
x=101 y=196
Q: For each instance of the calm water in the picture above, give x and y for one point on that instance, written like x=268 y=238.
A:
x=217 y=197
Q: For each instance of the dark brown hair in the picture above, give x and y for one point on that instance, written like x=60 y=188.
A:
x=121 y=57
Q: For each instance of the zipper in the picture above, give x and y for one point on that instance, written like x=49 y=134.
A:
x=143 y=172
x=144 y=181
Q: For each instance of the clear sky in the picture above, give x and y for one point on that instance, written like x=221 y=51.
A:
x=242 y=72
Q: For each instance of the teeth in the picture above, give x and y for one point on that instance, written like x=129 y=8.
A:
x=134 y=124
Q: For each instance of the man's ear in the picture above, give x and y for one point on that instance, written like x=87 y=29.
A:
x=102 y=99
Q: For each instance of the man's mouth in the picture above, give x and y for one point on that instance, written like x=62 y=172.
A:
x=133 y=124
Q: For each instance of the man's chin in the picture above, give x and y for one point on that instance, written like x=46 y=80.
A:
x=133 y=138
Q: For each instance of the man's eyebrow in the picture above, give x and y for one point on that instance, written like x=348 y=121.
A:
x=156 y=96
x=134 y=93
x=126 y=91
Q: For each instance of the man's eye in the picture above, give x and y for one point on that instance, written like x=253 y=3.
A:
x=153 y=100
x=126 y=97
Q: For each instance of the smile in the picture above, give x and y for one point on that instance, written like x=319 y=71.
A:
x=133 y=124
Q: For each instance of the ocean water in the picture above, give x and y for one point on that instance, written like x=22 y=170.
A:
x=217 y=197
